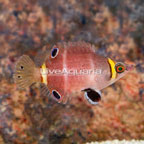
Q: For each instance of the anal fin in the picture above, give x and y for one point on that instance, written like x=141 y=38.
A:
x=44 y=90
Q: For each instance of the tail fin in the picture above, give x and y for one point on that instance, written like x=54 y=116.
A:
x=25 y=72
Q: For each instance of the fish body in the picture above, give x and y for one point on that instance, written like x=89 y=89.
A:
x=72 y=68
x=76 y=57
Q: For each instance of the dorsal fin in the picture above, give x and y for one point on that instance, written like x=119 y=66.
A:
x=42 y=55
x=76 y=47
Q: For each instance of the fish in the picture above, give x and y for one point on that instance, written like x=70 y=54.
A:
x=69 y=69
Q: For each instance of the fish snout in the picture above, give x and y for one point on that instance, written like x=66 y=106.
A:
x=130 y=67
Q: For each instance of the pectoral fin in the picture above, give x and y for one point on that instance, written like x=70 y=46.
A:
x=92 y=96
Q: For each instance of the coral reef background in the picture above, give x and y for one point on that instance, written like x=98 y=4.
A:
x=115 y=27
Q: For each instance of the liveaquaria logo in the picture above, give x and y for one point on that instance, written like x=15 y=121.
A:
x=65 y=71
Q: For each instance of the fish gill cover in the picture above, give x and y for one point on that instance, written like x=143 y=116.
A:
x=114 y=27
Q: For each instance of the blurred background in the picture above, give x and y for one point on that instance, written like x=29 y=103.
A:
x=115 y=27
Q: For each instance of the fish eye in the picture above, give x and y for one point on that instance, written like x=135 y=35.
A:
x=119 y=67
x=54 y=52
x=56 y=94
x=21 y=67
x=19 y=76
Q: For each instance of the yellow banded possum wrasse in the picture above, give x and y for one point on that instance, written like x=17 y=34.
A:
x=69 y=69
